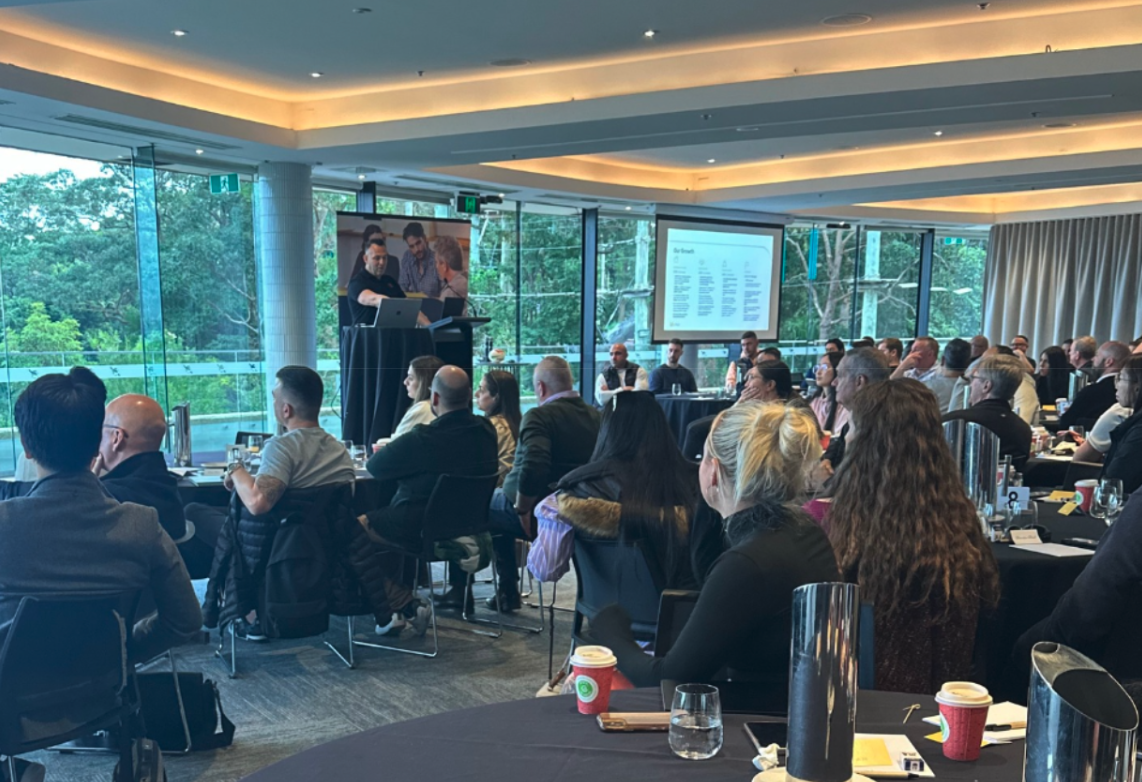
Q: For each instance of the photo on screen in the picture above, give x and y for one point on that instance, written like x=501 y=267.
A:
x=715 y=279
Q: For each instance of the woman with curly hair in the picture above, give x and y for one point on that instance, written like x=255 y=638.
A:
x=905 y=531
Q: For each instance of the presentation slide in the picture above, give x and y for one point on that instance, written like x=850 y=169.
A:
x=714 y=280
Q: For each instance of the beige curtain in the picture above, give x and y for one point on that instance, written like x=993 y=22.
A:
x=1064 y=278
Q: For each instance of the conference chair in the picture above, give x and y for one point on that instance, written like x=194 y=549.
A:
x=64 y=674
x=1081 y=471
x=458 y=506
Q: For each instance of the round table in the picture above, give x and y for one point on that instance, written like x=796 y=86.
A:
x=547 y=739
x=683 y=410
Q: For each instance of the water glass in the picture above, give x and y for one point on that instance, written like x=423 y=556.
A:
x=254 y=443
x=1079 y=431
x=1106 y=502
x=696 y=721
x=676 y=389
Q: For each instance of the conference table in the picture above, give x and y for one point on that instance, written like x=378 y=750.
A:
x=684 y=409
x=547 y=740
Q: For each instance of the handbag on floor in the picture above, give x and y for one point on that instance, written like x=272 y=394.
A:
x=209 y=727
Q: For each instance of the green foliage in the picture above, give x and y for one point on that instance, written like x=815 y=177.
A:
x=41 y=334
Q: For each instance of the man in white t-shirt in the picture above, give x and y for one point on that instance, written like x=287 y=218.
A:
x=1097 y=441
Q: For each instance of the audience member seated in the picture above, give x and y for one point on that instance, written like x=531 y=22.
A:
x=556 y=436
x=1052 y=381
x=373 y=283
x=957 y=358
x=620 y=375
x=417 y=385
x=498 y=399
x=1020 y=345
x=637 y=487
x=664 y=377
x=1098 y=396
x=863 y=342
x=1025 y=403
x=979 y=345
x=858 y=370
x=920 y=364
x=455 y=443
x=1098 y=616
x=26 y=469
x=304 y=456
x=68 y=535
x=831 y=414
x=770 y=354
x=753 y=468
x=905 y=531
x=1082 y=354
x=766 y=381
x=994 y=381
x=1136 y=347
x=1094 y=446
x=749 y=356
x=1124 y=457
x=893 y=350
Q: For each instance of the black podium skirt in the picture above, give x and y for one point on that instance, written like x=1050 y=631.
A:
x=374 y=363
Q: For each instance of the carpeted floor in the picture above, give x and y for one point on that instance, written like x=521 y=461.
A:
x=290 y=695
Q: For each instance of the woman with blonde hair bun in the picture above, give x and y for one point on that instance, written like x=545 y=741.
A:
x=753 y=469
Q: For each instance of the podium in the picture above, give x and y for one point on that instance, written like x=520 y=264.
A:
x=374 y=363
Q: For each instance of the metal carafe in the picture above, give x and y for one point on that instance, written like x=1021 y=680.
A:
x=1078 y=381
x=180 y=435
x=1081 y=724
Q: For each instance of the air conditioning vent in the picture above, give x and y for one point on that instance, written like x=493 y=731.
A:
x=148 y=133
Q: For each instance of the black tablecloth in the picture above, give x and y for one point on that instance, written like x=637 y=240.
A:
x=374 y=363
x=547 y=739
x=1031 y=585
x=682 y=410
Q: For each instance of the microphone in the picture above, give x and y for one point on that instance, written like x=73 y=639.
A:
x=475 y=310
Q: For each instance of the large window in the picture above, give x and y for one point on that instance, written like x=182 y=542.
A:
x=957 y=285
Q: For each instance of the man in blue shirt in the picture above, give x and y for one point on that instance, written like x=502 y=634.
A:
x=418 y=264
x=663 y=378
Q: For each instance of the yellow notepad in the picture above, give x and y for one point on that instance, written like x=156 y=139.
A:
x=1061 y=496
x=870 y=752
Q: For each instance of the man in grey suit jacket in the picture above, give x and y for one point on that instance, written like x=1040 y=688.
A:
x=69 y=535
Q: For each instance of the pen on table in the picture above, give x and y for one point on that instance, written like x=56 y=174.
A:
x=1012 y=726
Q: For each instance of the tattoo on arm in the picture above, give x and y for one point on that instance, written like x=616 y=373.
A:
x=271 y=489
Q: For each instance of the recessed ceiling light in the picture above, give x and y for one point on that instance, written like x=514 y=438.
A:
x=361 y=177
x=510 y=62
x=712 y=160
x=362 y=10
x=1060 y=125
x=178 y=33
x=501 y=195
x=846 y=20
x=198 y=151
x=316 y=74
x=938 y=133
x=650 y=33
x=627 y=208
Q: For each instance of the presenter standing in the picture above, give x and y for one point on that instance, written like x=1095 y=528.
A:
x=418 y=264
x=621 y=375
x=371 y=284
x=739 y=368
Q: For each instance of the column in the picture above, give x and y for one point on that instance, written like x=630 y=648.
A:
x=283 y=236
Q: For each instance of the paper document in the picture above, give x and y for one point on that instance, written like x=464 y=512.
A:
x=878 y=747
x=1056 y=550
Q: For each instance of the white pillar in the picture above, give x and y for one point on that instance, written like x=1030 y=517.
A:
x=283 y=238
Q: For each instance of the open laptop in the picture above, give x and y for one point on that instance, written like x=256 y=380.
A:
x=397 y=314
x=439 y=309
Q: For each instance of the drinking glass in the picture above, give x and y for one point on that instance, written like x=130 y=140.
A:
x=1106 y=502
x=696 y=721
x=676 y=389
x=254 y=443
x=1079 y=430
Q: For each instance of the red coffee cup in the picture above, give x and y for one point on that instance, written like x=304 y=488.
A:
x=592 y=670
x=1084 y=493
x=963 y=717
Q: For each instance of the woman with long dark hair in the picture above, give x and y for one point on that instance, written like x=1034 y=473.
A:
x=637 y=486
x=1052 y=380
x=498 y=399
x=1124 y=459
x=754 y=467
x=831 y=414
x=418 y=386
x=904 y=530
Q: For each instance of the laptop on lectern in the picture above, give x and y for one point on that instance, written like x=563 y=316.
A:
x=438 y=309
x=397 y=314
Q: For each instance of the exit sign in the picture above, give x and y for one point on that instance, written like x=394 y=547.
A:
x=468 y=203
x=223 y=183
x=954 y=240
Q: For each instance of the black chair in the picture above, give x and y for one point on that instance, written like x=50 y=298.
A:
x=1081 y=471
x=610 y=572
x=64 y=674
x=459 y=506
x=243 y=438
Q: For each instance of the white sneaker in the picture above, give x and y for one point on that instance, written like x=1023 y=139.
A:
x=394 y=627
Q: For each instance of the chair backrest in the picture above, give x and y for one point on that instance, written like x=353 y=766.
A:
x=459 y=506
x=674 y=609
x=1080 y=471
x=610 y=572
x=63 y=667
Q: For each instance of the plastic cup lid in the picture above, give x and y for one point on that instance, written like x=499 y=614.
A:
x=963 y=694
x=593 y=657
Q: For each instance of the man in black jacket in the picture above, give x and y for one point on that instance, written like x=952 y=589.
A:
x=555 y=437
x=1096 y=398
x=455 y=443
x=994 y=382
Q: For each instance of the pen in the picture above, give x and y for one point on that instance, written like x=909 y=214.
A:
x=1012 y=726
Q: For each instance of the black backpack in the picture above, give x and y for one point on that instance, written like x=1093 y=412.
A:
x=297 y=581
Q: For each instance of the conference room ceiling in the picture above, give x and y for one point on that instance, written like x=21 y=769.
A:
x=938 y=111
